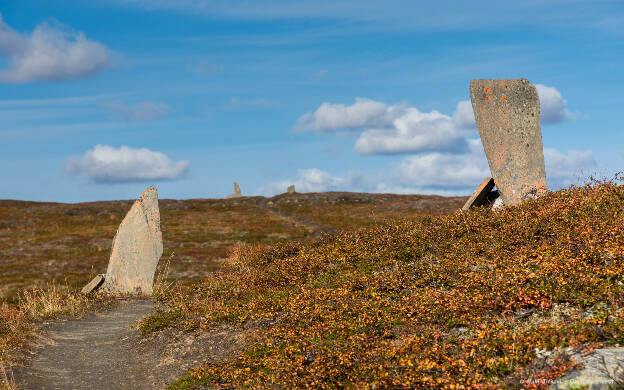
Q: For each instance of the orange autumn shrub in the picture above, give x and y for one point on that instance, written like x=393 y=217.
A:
x=459 y=301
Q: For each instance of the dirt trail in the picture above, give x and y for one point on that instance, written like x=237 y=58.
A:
x=91 y=353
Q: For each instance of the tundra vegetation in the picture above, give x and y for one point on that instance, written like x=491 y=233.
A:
x=397 y=298
x=48 y=251
x=466 y=300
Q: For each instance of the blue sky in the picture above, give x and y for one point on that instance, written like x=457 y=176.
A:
x=100 y=99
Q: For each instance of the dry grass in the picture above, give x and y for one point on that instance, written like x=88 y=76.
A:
x=162 y=284
x=7 y=382
x=18 y=321
x=51 y=301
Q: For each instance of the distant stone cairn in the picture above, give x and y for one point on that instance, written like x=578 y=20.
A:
x=291 y=189
x=137 y=248
x=237 y=192
x=507 y=113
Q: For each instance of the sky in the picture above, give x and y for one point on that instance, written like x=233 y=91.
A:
x=100 y=99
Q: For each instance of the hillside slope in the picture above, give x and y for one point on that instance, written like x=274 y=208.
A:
x=465 y=300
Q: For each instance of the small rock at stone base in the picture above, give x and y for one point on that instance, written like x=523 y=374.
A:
x=498 y=204
x=93 y=285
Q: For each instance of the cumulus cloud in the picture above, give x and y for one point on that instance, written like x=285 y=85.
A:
x=389 y=129
x=436 y=173
x=564 y=169
x=443 y=171
x=362 y=113
x=552 y=105
x=413 y=132
x=308 y=180
x=316 y=180
x=445 y=152
x=463 y=117
x=51 y=52
x=140 y=112
x=106 y=164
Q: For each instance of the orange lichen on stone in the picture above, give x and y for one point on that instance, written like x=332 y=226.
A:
x=511 y=136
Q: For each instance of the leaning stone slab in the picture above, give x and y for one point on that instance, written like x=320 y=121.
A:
x=479 y=197
x=507 y=113
x=137 y=248
x=93 y=285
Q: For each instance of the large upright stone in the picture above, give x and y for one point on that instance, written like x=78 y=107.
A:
x=291 y=189
x=507 y=113
x=137 y=248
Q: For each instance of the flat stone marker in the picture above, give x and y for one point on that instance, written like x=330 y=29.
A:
x=237 y=192
x=137 y=248
x=480 y=195
x=93 y=285
x=507 y=113
x=291 y=189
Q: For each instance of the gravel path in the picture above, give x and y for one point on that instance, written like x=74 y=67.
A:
x=91 y=353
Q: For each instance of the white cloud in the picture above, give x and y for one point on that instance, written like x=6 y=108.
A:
x=574 y=167
x=552 y=105
x=463 y=117
x=389 y=129
x=436 y=173
x=316 y=180
x=439 y=173
x=362 y=113
x=443 y=171
x=308 y=180
x=447 y=156
x=140 y=112
x=413 y=132
x=51 y=52
x=107 y=164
